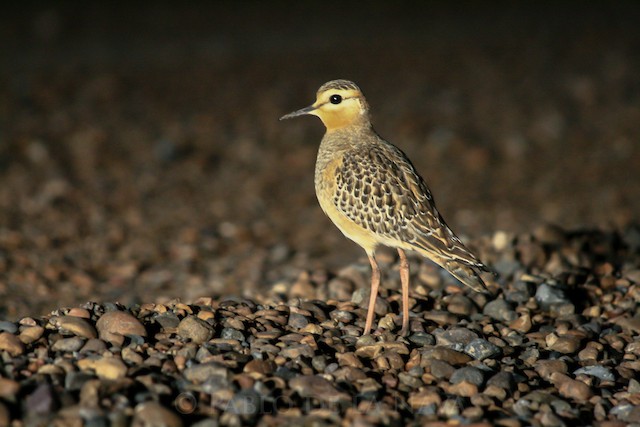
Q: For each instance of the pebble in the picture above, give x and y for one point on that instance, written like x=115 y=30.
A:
x=68 y=344
x=11 y=344
x=71 y=325
x=469 y=374
x=548 y=295
x=113 y=325
x=571 y=388
x=500 y=310
x=603 y=373
x=6 y=326
x=317 y=387
x=195 y=329
x=481 y=349
x=234 y=359
x=152 y=414
x=31 y=334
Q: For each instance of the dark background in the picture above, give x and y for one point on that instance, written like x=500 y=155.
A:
x=141 y=157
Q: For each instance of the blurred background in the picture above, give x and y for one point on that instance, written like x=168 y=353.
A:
x=141 y=157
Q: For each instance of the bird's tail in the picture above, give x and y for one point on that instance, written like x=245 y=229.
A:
x=466 y=274
x=466 y=271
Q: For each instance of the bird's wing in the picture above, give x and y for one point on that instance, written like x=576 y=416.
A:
x=379 y=189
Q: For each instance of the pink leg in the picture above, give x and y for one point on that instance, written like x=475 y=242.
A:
x=404 y=279
x=375 y=284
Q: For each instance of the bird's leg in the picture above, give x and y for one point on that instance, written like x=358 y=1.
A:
x=404 y=279
x=375 y=283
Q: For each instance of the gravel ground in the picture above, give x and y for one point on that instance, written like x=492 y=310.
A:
x=142 y=164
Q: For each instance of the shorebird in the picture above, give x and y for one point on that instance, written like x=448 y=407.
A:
x=373 y=194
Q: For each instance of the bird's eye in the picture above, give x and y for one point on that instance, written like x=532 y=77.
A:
x=335 y=99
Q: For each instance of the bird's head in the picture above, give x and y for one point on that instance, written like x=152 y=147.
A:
x=339 y=103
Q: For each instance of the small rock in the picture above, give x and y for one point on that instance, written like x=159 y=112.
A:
x=168 y=320
x=566 y=344
x=68 y=344
x=9 y=389
x=108 y=368
x=232 y=334
x=503 y=380
x=603 y=373
x=424 y=398
x=441 y=369
x=317 y=387
x=462 y=305
x=41 y=401
x=446 y=354
x=195 y=329
x=522 y=324
x=113 y=325
x=422 y=338
x=6 y=326
x=571 y=388
x=74 y=326
x=11 y=344
x=200 y=373
x=547 y=295
x=545 y=368
x=246 y=403
x=481 y=349
x=455 y=337
x=31 y=334
x=500 y=310
x=463 y=388
x=469 y=374
x=153 y=414
x=297 y=321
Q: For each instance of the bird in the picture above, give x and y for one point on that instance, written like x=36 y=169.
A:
x=372 y=192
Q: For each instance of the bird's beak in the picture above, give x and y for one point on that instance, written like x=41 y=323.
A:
x=301 y=112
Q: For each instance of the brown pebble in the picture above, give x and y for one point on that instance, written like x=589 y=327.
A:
x=424 y=398
x=195 y=329
x=75 y=326
x=463 y=388
x=259 y=368
x=9 y=389
x=11 y=344
x=108 y=368
x=545 y=368
x=571 y=388
x=317 y=387
x=113 y=325
x=565 y=343
x=79 y=312
x=446 y=354
x=149 y=414
x=31 y=334
x=522 y=324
